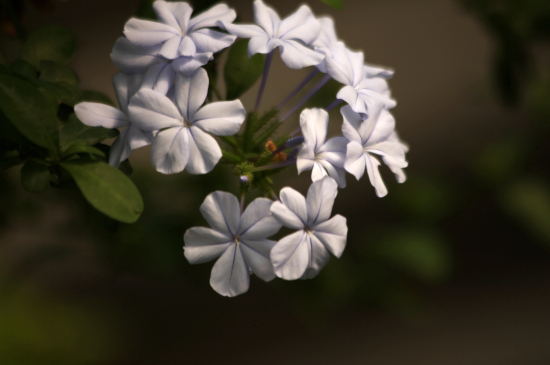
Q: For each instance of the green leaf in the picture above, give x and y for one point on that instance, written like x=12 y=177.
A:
x=9 y=159
x=24 y=69
x=94 y=96
x=336 y=4
x=53 y=43
x=52 y=71
x=79 y=146
x=240 y=72
x=30 y=112
x=35 y=177
x=107 y=189
x=75 y=129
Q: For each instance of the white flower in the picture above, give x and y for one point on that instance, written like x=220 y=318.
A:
x=323 y=157
x=293 y=35
x=101 y=115
x=240 y=242
x=364 y=87
x=326 y=41
x=181 y=142
x=304 y=253
x=137 y=59
x=369 y=137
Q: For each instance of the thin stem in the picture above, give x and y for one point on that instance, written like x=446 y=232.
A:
x=309 y=77
x=334 y=104
x=312 y=92
x=275 y=197
x=275 y=166
x=295 y=132
x=268 y=60
x=242 y=203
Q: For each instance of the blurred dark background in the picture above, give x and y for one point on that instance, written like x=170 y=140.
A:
x=452 y=267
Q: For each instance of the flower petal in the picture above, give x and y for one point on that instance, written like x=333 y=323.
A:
x=319 y=257
x=204 y=152
x=174 y=14
x=256 y=256
x=223 y=118
x=318 y=172
x=297 y=56
x=187 y=47
x=374 y=175
x=243 y=30
x=151 y=111
x=188 y=65
x=191 y=93
x=337 y=173
x=257 y=221
x=266 y=17
x=209 y=18
x=378 y=127
x=208 y=40
x=259 y=44
x=170 y=151
x=314 y=123
x=159 y=78
x=305 y=159
x=334 y=151
x=291 y=211
x=126 y=86
x=333 y=234
x=134 y=59
x=100 y=115
x=204 y=244
x=352 y=124
x=355 y=160
x=344 y=65
x=301 y=25
x=147 y=33
x=119 y=149
x=222 y=212
x=290 y=256
x=350 y=96
x=230 y=274
x=320 y=199
x=327 y=38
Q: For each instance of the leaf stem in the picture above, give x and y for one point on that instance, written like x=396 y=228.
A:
x=334 y=104
x=299 y=87
x=308 y=96
x=274 y=166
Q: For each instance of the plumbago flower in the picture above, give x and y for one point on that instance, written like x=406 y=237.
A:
x=365 y=85
x=101 y=115
x=323 y=157
x=304 y=253
x=293 y=35
x=177 y=39
x=326 y=41
x=182 y=142
x=238 y=239
x=369 y=137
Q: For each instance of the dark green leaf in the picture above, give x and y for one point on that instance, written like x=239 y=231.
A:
x=3 y=61
x=75 y=129
x=35 y=177
x=240 y=72
x=30 y=112
x=79 y=146
x=336 y=4
x=107 y=189
x=9 y=159
x=94 y=96
x=52 y=71
x=24 y=69
x=52 y=43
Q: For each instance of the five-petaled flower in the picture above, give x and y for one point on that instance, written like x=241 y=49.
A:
x=294 y=35
x=304 y=253
x=239 y=240
x=102 y=115
x=372 y=136
x=182 y=141
x=323 y=157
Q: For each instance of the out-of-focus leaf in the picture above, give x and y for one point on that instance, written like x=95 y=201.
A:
x=240 y=72
x=107 y=189
x=53 y=43
x=75 y=129
x=24 y=69
x=3 y=61
x=501 y=160
x=79 y=146
x=94 y=96
x=336 y=4
x=52 y=71
x=528 y=200
x=420 y=253
x=9 y=159
x=29 y=111
x=35 y=177
x=9 y=133
x=145 y=10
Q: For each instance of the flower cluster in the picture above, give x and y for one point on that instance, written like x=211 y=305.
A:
x=162 y=89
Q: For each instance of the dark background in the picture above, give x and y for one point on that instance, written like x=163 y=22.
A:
x=451 y=267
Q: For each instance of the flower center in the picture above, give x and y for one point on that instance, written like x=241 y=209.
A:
x=185 y=123
x=237 y=239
